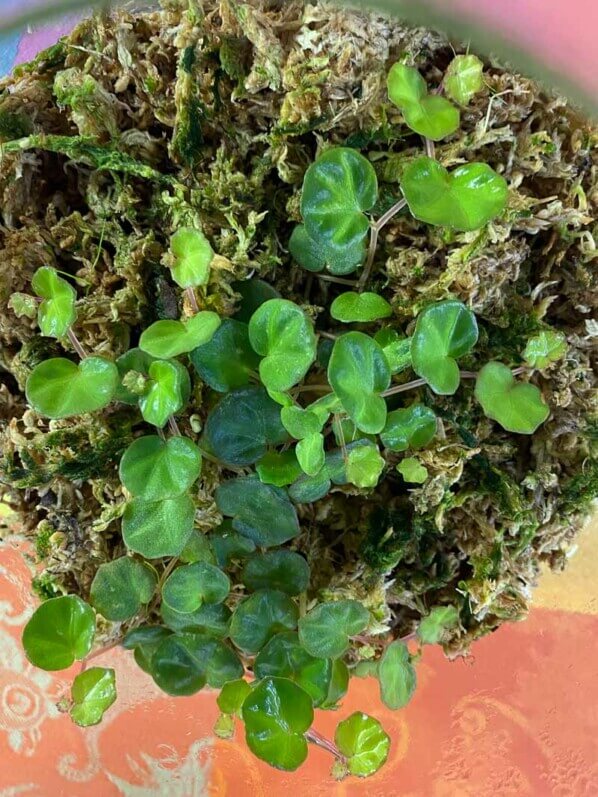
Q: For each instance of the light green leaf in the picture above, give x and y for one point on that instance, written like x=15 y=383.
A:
x=365 y=466
x=190 y=586
x=232 y=696
x=396 y=675
x=190 y=257
x=56 y=313
x=121 y=587
x=325 y=630
x=156 y=529
x=133 y=363
x=259 y=617
x=412 y=427
x=464 y=78
x=432 y=627
x=301 y=423
x=430 y=115
x=166 y=339
x=93 y=692
x=310 y=453
x=397 y=350
x=60 y=632
x=517 y=406
x=226 y=362
x=279 y=469
x=168 y=392
x=412 y=470
x=545 y=348
x=59 y=388
x=363 y=742
x=362 y=307
x=154 y=469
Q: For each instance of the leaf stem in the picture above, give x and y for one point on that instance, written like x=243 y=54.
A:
x=315 y=738
x=430 y=148
x=340 y=280
x=76 y=345
x=190 y=294
x=375 y=232
x=173 y=426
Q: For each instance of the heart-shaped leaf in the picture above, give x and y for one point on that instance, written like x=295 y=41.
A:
x=232 y=696
x=412 y=427
x=56 y=313
x=261 y=512
x=464 y=78
x=121 y=587
x=443 y=332
x=242 y=425
x=282 y=570
x=314 y=255
x=301 y=423
x=464 y=199
x=277 y=715
x=430 y=115
x=362 y=740
x=154 y=469
x=259 y=617
x=545 y=348
x=211 y=618
x=365 y=466
x=517 y=406
x=60 y=632
x=184 y=663
x=59 y=388
x=325 y=630
x=396 y=675
x=283 y=657
x=156 y=529
x=358 y=372
x=279 y=469
x=133 y=363
x=190 y=257
x=412 y=470
x=226 y=362
x=190 y=586
x=168 y=392
x=281 y=332
x=337 y=191
x=165 y=339
x=308 y=489
x=432 y=627
x=310 y=453
x=144 y=641
x=93 y=692
x=361 y=307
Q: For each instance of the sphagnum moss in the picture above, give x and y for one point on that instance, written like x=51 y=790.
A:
x=392 y=379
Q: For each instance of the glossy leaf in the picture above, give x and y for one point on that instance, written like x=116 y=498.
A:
x=135 y=361
x=121 y=587
x=190 y=586
x=211 y=618
x=279 y=469
x=412 y=470
x=339 y=684
x=444 y=332
x=280 y=331
x=301 y=423
x=154 y=469
x=545 y=348
x=60 y=632
x=277 y=715
x=166 y=339
x=261 y=512
x=185 y=662
x=412 y=427
x=191 y=256
x=144 y=641
x=310 y=453
x=359 y=307
x=168 y=392
x=156 y=529
x=464 y=78
x=364 y=466
x=396 y=675
x=432 y=627
x=362 y=740
x=307 y=252
x=93 y=692
x=430 y=115
x=227 y=360
x=259 y=617
x=60 y=388
x=282 y=570
x=232 y=696
x=397 y=350
x=517 y=406
x=358 y=373
x=56 y=313
x=284 y=657
x=465 y=199
x=325 y=630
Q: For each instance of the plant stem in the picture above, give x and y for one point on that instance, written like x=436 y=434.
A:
x=174 y=427
x=100 y=652
x=340 y=280
x=430 y=148
x=76 y=345
x=315 y=738
x=328 y=335
x=375 y=232
x=190 y=294
x=392 y=391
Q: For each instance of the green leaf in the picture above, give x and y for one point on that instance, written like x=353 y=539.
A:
x=211 y=618
x=261 y=512
x=227 y=360
x=444 y=331
x=254 y=293
x=144 y=641
x=307 y=252
x=56 y=313
x=278 y=468
x=396 y=675
x=60 y=632
x=166 y=339
x=430 y=115
x=310 y=453
x=464 y=78
x=277 y=715
x=325 y=630
x=345 y=432
x=229 y=545
x=156 y=529
x=362 y=740
x=284 y=657
x=198 y=549
x=397 y=350
x=545 y=348
x=93 y=692
x=242 y=425
x=138 y=362
x=358 y=372
x=23 y=305
x=412 y=427
x=301 y=423
x=259 y=617
x=337 y=191
x=59 y=388
x=280 y=331
x=190 y=257
x=232 y=696
x=154 y=469
x=464 y=199
x=190 y=586
x=121 y=587
x=339 y=684
x=363 y=307
x=432 y=627
x=364 y=466
x=168 y=392
x=308 y=489
x=282 y=570
x=178 y=665
x=412 y=470
x=517 y=406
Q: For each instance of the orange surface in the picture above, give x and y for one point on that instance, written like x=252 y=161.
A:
x=520 y=717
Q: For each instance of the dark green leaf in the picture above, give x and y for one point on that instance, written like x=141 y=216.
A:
x=283 y=570
x=259 y=617
x=190 y=586
x=121 y=587
x=284 y=657
x=325 y=630
x=144 y=641
x=253 y=294
x=226 y=362
x=229 y=545
x=412 y=427
x=211 y=618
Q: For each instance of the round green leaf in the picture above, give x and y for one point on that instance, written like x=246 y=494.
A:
x=144 y=641
x=229 y=545
x=364 y=466
x=156 y=529
x=211 y=618
x=545 y=348
x=396 y=675
x=259 y=617
x=121 y=587
x=325 y=630
x=464 y=199
x=242 y=425
x=190 y=257
x=432 y=627
x=168 y=392
x=430 y=115
x=308 y=489
x=310 y=453
x=301 y=423
x=362 y=307
x=277 y=714
x=60 y=632
x=412 y=470
x=56 y=313
x=282 y=570
x=178 y=665
x=253 y=293
x=412 y=427
x=232 y=696
x=284 y=657
x=190 y=586
x=464 y=78
x=278 y=468
x=280 y=331
x=261 y=512
x=364 y=743
x=93 y=692
x=227 y=360
x=307 y=252
x=444 y=331
x=154 y=469
x=59 y=388
x=358 y=372
x=165 y=339
x=135 y=361
x=517 y=406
